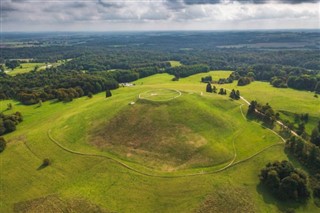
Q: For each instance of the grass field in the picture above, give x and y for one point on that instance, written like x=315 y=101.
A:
x=29 y=66
x=24 y=68
x=208 y=127
x=175 y=63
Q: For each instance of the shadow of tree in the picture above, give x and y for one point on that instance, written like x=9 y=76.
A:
x=283 y=206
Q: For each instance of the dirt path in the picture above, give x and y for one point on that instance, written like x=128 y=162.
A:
x=277 y=121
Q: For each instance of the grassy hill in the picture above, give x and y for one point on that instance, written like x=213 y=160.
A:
x=116 y=157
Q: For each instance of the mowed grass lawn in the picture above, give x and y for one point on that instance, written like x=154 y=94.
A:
x=111 y=186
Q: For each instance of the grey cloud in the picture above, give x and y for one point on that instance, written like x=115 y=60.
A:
x=175 y=4
x=191 y=2
x=109 y=4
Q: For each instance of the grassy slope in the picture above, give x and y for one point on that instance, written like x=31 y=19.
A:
x=107 y=184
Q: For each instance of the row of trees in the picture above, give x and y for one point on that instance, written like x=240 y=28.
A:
x=187 y=70
x=8 y=122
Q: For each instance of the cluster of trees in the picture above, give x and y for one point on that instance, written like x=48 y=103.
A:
x=8 y=122
x=210 y=88
x=3 y=144
x=282 y=76
x=11 y=64
x=206 y=79
x=307 y=154
x=279 y=82
x=214 y=89
x=235 y=94
x=298 y=125
x=222 y=91
x=54 y=83
x=244 y=81
x=285 y=182
x=264 y=113
x=304 y=82
x=228 y=80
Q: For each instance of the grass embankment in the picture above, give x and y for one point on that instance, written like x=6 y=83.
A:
x=101 y=182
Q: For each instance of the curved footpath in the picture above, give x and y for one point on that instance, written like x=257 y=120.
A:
x=231 y=164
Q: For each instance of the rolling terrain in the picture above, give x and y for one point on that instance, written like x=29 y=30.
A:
x=113 y=155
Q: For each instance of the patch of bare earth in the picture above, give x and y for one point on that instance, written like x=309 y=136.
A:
x=150 y=135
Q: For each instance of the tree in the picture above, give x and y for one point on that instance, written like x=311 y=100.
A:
x=3 y=144
x=9 y=125
x=208 y=88
x=237 y=94
x=214 y=89
x=90 y=95
x=252 y=107
x=108 y=93
x=301 y=129
x=222 y=91
x=232 y=94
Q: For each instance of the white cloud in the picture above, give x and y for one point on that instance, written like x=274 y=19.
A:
x=156 y=15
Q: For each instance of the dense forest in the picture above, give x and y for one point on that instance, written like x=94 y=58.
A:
x=101 y=61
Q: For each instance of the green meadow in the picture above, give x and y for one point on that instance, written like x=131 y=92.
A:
x=193 y=153
x=30 y=66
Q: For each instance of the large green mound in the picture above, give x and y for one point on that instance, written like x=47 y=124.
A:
x=186 y=132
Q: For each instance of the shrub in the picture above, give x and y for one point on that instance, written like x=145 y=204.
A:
x=46 y=162
x=3 y=144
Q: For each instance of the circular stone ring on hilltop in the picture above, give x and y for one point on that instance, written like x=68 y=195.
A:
x=160 y=95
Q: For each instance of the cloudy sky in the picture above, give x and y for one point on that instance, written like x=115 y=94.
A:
x=126 y=15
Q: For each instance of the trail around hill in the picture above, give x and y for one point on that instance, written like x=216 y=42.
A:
x=229 y=165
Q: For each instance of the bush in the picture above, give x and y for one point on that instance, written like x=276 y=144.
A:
x=46 y=162
x=3 y=144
